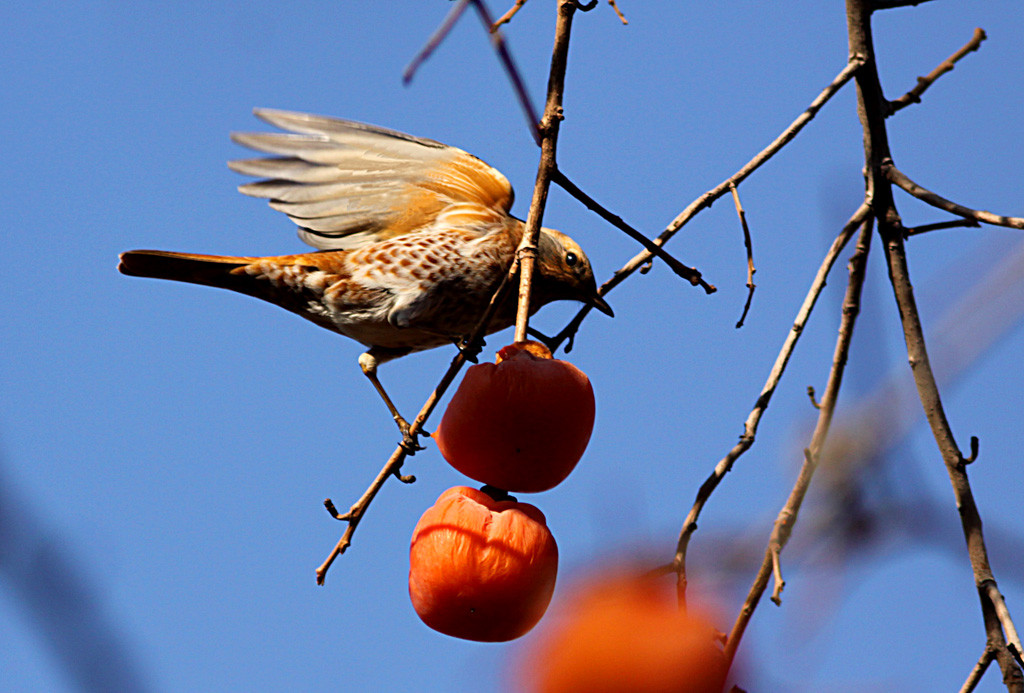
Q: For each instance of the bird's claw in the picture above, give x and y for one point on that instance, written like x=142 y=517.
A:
x=410 y=441
x=470 y=351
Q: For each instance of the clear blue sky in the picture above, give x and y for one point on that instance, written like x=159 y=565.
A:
x=164 y=449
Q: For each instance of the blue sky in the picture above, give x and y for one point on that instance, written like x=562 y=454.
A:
x=164 y=449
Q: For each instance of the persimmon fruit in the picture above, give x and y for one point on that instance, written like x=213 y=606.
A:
x=520 y=424
x=481 y=569
x=625 y=633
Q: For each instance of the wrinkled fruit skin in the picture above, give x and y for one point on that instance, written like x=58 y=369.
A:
x=625 y=634
x=481 y=569
x=520 y=425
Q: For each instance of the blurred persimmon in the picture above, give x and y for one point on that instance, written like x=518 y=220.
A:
x=521 y=424
x=481 y=569
x=625 y=634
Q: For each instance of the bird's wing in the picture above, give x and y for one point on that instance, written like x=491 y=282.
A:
x=348 y=184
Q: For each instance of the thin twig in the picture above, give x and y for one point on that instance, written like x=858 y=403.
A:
x=974 y=678
x=810 y=393
x=890 y=4
x=507 y=17
x=947 y=65
x=618 y=12
x=397 y=459
x=764 y=399
x=688 y=273
x=550 y=123
x=434 y=41
x=938 y=226
x=708 y=198
x=894 y=175
x=780 y=584
x=787 y=517
x=749 y=245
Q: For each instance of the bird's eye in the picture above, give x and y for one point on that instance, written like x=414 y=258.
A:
x=571 y=259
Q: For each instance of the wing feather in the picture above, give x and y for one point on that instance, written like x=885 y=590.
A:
x=347 y=184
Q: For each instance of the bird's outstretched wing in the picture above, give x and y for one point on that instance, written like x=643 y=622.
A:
x=347 y=184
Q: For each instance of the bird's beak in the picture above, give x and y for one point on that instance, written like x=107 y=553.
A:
x=602 y=305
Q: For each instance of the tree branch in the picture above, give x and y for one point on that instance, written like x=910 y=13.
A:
x=974 y=678
x=890 y=4
x=880 y=173
x=549 y=126
x=764 y=399
x=688 y=273
x=500 y=47
x=894 y=175
x=787 y=517
x=748 y=244
x=708 y=198
x=947 y=65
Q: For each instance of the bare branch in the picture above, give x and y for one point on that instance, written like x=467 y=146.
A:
x=749 y=245
x=947 y=65
x=974 y=678
x=618 y=12
x=708 y=198
x=880 y=174
x=688 y=273
x=507 y=17
x=938 y=226
x=642 y=260
x=890 y=4
x=750 y=426
x=1003 y=613
x=894 y=175
x=549 y=126
x=787 y=517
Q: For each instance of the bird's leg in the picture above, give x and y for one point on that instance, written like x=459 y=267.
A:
x=369 y=363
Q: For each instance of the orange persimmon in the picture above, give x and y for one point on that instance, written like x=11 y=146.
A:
x=521 y=424
x=625 y=634
x=481 y=569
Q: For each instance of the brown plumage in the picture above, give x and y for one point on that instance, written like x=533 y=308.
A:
x=414 y=237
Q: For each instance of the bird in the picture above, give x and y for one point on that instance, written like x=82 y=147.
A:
x=412 y=238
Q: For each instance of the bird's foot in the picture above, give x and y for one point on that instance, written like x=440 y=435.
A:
x=469 y=350
x=410 y=441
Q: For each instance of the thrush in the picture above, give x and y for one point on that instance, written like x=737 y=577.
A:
x=413 y=237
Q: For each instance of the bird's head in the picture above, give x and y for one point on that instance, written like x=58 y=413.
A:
x=564 y=272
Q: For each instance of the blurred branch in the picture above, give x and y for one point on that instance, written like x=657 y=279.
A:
x=500 y=47
x=750 y=426
x=947 y=65
x=880 y=173
x=439 y=35
x=894 y=175
x=583 y=7
x=812 y=455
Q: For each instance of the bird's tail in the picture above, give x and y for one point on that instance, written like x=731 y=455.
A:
x=209 y=270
